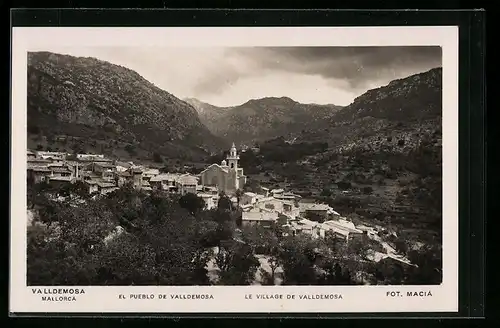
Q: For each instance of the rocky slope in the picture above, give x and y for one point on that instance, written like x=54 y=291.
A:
x=209 y=114
x=262 y=119
x=394 y=117
x=74 y=98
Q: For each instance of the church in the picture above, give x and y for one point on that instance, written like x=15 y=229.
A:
x=227 y=176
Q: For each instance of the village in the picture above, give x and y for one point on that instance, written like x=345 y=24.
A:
x=263 y=208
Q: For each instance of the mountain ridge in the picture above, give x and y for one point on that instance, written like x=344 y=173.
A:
x=89 y=98
x=261 y=119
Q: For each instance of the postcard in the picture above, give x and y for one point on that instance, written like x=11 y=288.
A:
x=234 y=170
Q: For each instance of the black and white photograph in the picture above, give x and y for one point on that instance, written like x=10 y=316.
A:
x=233 y=166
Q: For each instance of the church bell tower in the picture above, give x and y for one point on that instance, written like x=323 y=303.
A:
x=232 y=158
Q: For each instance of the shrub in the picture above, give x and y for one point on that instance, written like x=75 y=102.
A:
x=367 y=190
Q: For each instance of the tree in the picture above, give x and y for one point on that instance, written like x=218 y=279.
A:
x=192 y=203
x=315 y=217
x=344 y=185
x=251 y=185
x=208 y=233
x=76 y=190
x=367 y=190
x=237 y=264
x=297 y=257
x=429 y=266
x=224 y=203
x=130 y=150
x=326 y=193
x=33 y=129
x=159 y=246
x=157 y=158
x=238 y=195
x=334 y=273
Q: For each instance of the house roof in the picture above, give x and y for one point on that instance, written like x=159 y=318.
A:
x=342 y=225
x=202 y=195
x=265 y=199
x=313 y=207
x=103 y=184
x=61 y=170
x=378 y=256
x=38 y=160
x=250 y=194
x=123 y=164
x=187 y=179
x=277 y=191
x=152 y=171
x=308 y=222
x=39 y=169
x=165 y=177
x=65 y=179
x=263 y=216
x=105 y=164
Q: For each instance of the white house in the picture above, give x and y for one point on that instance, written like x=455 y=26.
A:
x=187 y=183
x=257 y=216
x=341 y=228
x=248 y=198
x=209 y=199
x=166 y=181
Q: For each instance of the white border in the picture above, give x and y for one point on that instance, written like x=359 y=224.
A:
x=232 y=299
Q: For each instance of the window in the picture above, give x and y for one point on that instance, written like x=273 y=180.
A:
x=269 y=206
x=232 y=165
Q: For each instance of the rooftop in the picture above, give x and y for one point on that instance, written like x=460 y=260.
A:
x=39 y=169
x=202 y=195
x=216 y=165
x=187 y=180
x=65 y=179
x=342 y=224
x=103 y=184
x=165 y=177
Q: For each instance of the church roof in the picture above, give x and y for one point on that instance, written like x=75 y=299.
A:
x=216 y=165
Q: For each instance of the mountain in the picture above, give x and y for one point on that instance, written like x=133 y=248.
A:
x=209 y=114
x=261 y=119
x=406 y=109
x=382 y=163
x=71 y=99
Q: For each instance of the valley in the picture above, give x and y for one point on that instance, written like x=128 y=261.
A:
x=377 y=161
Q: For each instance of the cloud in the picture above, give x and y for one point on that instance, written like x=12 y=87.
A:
x=231 y=76
x=357 y=66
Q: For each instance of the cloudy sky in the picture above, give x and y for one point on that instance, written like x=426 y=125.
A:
x=232 y=76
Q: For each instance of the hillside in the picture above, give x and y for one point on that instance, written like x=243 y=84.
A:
x=405 y=109
x=209 y=114
x=382 y=163
x=262 y=119
x=85 y=104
